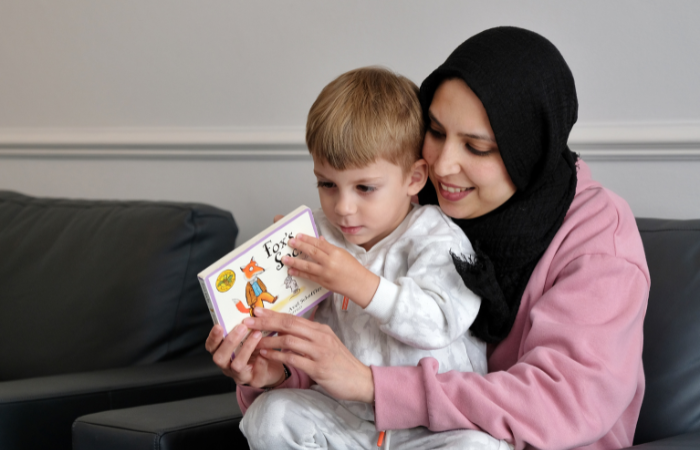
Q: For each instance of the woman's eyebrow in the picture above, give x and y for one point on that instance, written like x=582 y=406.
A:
x=483 y=137
x=433 y=119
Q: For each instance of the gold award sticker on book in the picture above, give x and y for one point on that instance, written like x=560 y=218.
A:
x=225 y=280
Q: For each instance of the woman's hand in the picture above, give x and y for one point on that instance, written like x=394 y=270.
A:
x=316 y=350
x=247 y=366
x=332 y=267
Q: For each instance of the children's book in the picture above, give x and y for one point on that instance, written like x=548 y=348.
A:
x=252 y=275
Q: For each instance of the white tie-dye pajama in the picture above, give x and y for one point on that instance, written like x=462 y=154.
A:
x=420 y=309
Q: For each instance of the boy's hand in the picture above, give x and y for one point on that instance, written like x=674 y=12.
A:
x=247 y=366
x=333 y=268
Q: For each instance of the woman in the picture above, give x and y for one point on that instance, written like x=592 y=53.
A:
x=560 y=269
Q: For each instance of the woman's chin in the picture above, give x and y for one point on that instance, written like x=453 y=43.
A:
x=454 y=204
x=453 y=209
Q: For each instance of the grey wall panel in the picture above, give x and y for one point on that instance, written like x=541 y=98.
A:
x=76 y=66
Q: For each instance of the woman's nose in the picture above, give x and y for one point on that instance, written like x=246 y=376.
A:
x=447 y=162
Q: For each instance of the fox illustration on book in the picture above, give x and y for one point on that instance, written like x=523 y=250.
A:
x=255 y=290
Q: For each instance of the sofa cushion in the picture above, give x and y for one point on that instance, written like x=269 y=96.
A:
x=88 y=285
x=207 y=422
x=671 y=353
x=37 y=413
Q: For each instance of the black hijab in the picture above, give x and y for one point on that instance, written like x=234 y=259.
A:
x=530 y=98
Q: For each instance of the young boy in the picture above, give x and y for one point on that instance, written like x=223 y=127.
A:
x=397 y=295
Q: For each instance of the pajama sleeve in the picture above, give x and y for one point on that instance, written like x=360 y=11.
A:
x=428 y=306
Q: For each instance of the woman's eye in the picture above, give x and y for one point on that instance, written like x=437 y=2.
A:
x=435 y=133
x=324 y=185
x=478 y=152
x=366 y=189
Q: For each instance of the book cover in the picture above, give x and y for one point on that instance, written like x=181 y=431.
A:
x=252 y=275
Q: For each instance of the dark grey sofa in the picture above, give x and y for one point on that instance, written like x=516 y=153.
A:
x=100 y=309
x=670 y=416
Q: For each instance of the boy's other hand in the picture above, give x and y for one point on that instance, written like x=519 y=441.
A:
x=246 y=365
x=333 y=268
x=277 y=218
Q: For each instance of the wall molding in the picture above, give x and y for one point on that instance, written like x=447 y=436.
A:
x=666 y=141
x=155 y=143
x=638 y=141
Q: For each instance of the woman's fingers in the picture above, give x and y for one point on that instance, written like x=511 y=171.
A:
x=238 y=365
x=222 y=354
x=216 y=336
x=300 y=337
x=301 y=346
x=316 y=350
x=241 y=361
x=301 y=362
x=268 y=320
x=319 y=353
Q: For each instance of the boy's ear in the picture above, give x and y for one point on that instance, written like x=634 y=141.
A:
x=418 y=177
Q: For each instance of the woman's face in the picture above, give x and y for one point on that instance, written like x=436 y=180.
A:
x=465 y=165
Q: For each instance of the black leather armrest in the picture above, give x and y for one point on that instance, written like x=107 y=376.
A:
x=685 y=441
x=38 y=412
x=207 y=422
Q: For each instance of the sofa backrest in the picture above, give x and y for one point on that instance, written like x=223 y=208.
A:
x=671 y=329
x=88 y=285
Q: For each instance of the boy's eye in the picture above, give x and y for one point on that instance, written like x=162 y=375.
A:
x=365 y=188
x=324 y=185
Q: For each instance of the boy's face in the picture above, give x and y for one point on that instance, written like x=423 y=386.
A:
x=366 y=204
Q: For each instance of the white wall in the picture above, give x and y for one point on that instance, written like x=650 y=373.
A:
x=206 y=101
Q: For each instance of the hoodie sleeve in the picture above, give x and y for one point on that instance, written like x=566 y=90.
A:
x=247 y=394
x=579 y=375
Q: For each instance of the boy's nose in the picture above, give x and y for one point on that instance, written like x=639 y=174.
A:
x=345 y=206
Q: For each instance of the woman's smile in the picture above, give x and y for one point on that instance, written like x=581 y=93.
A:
x=452 y=192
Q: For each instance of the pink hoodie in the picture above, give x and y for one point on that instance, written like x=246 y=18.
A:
x=569 y=374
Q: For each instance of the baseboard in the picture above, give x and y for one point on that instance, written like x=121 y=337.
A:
x=612 y=141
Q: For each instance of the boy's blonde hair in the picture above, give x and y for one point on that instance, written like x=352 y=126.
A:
x=363 y=115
